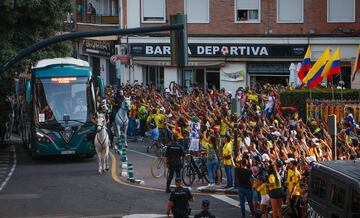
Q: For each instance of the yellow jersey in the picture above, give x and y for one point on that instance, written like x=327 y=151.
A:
x=272 y=180
x=226 y=152
x=161 y=121
x=262 y=189
x=290 y=172
x=295 y=180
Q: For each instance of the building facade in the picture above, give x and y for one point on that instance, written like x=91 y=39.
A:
x=232 y=43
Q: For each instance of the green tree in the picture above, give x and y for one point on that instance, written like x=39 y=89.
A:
x=25 y=22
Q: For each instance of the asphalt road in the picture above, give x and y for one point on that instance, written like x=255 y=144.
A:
x=71 y=187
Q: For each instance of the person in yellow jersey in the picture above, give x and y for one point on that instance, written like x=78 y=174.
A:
x=153 y=122
x=275 y=191
x=289 y=172
x=228 y=161
x=264 y=193
x=295 y=191
x=161 y=125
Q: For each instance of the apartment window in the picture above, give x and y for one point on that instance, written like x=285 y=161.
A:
x=290 y=11
x=341 y=11
x=153 y=11
x=197 y=11
x=247 y=11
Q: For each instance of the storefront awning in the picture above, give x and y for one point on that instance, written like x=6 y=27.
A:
x=190 y=64
x=103 y=38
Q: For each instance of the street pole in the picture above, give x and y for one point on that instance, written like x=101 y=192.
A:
x=332 y=131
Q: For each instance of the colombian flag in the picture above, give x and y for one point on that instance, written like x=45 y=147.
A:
x=333 y=65
x=357 y=63
x=314 y=76
x=305 y=65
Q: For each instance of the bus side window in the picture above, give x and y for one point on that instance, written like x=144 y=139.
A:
x=338 y=195
x=355 y=204
x=318 y=187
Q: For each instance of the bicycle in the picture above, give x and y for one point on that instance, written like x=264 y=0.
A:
x=191 y=169
x=158 y=166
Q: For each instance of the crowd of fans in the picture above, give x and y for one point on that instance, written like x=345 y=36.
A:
x=266 y=150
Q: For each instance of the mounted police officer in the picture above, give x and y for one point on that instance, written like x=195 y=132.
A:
x=174 y=155
x=179 y=199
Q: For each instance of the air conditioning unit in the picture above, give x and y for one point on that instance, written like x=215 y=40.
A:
x=120 y=49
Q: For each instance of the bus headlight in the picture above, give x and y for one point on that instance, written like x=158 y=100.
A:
x=42 y=138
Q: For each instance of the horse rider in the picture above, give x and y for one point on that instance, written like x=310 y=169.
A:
x=178 y=202
x=174 y=156
x=105 y=110
x=118 y=99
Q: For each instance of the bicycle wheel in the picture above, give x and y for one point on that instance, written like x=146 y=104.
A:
x=204 y=173
x=188 y=175
x=158 y=167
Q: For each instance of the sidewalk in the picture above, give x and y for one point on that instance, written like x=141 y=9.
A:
x=142 y=161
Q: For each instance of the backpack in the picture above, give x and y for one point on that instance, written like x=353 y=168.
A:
x=211 y=153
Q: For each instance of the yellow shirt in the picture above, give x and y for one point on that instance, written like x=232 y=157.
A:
x=178 y=133
x=227 y=151
x=295 y=180
x=289 y=175
x=223 y=128
x=312 y=151
x=272 y=180
x=161 y=122
x=262 y=189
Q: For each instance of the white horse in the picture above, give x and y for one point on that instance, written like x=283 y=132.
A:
x=102 y=143
x=122 y=120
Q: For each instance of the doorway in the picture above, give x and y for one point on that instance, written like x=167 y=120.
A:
x=154 y=75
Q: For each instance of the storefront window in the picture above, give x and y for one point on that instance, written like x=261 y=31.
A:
x=155 y=76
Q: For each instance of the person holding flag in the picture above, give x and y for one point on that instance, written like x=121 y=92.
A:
x=314 y=76
x=357 y=63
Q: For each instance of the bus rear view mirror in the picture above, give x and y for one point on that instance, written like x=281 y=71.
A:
x=101 y=87
x=28 y=91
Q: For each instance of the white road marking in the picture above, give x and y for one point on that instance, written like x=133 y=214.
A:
x=138 y=152
x=11 y=171
x=231 y=201
x=144 y=216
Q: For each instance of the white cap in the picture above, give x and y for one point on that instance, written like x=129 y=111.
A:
x=310 y=159
x=167 y=90
x=162 y=110
x=276 y=133
x=293 y=132
x=290 y=160
x=265 y=157
x=315 y=141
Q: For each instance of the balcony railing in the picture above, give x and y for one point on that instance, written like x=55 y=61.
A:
x=98 y=19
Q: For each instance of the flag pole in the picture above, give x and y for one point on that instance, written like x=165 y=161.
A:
x=341 y=91
x=332 y=88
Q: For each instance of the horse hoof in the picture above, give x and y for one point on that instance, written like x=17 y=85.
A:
x=107 y=169
x=100 y=172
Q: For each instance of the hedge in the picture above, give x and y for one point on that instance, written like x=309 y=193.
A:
x=297 y=98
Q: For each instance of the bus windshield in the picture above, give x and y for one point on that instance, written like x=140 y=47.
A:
x=59 y=97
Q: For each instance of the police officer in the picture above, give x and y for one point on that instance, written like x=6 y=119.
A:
x=205 y=210
x=174 y=155
x=179 y=199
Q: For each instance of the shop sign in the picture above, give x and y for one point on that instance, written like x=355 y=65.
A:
x=221 y=50
x=233 y=76
x=105 y=48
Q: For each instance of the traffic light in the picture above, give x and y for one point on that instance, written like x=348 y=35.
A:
x=179 y=41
